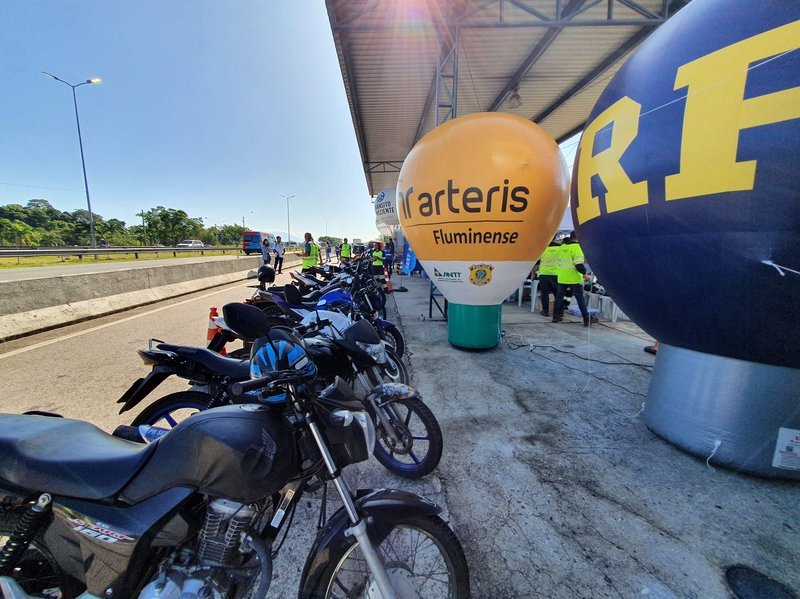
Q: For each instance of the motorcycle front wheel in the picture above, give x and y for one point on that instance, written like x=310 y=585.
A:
x=418 y=445
x=394 y=371
x=171 y=409
x=422 y=557
x=394 y=338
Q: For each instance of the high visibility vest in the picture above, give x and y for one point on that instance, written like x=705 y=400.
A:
x=377 y=258
x=569 y=254
x=346 y=250
x=313 y=258
x=548 y=263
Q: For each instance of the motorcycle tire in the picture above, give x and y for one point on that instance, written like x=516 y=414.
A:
x=416 y=426
x=414 y=543
x=394 y=371
x=37 y=571
x=394 y=337
x=171 y=409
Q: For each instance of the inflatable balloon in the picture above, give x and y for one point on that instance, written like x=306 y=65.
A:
x=686 y=200
x=479 y=198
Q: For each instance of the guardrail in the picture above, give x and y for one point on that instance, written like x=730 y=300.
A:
x=80 y=252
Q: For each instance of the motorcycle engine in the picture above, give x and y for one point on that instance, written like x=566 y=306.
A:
x=202 y=573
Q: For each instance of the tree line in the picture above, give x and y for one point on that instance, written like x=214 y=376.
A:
x=40 y=224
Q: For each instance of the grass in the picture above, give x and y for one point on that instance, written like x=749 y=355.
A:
x=32 y=261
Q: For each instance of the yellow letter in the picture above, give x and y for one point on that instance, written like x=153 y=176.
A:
x=716 y=112
x=621 y=193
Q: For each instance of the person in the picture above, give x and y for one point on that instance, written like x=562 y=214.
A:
x=548 y=276
x=388 y=256
x=328 y=251
x=338 y=250
x=346 y=251
x=265 y=251
x=102 y=242
x=279 y=251
x=310 y=253
x=571 y=272
x=377 y=265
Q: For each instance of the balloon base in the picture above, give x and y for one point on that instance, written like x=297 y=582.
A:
x=736 y=414
x=473 y=327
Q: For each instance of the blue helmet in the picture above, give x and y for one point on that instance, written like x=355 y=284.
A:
x=281 y=350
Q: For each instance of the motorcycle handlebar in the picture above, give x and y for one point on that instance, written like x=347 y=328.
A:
x=285 y=376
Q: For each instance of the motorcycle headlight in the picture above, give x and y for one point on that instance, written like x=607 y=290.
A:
x=376 y=351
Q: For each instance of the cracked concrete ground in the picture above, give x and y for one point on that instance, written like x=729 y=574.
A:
x=552 y=481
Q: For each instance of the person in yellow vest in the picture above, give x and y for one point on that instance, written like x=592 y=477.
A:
x=310 y=253
x=377 y=265
x=571 y=272
x=548 y=276
x=346 y=252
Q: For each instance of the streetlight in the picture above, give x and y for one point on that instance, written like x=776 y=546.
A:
x=288 y=229
x=93 y=80
x=248 y=214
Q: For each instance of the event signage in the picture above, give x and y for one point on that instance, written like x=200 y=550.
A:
x=479 y=198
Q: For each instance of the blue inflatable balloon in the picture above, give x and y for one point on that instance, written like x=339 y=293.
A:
x=686 y=186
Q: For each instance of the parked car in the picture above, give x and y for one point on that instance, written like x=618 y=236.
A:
x=190 y=243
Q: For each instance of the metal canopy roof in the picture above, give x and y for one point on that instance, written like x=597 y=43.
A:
x=409 y=65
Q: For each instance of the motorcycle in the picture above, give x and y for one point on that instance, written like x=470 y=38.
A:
x=410 y=439
x=86 y=513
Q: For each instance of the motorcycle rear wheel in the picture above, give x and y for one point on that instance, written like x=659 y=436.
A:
x=422 y=556
x=171 y=409
x=37 y=572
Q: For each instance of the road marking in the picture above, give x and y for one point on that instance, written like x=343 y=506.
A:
x=106 y=325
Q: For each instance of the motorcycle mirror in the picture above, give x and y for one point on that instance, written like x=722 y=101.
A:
x=245 y=320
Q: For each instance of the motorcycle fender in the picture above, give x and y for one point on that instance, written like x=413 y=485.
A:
x=333 y=539
x=387 y=393
x=143 y=387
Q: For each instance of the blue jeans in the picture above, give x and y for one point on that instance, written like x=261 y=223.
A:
x=577 y=293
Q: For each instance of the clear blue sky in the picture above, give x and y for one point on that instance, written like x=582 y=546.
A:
x=215 y=108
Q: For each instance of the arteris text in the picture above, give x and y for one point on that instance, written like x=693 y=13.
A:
x=473 y=200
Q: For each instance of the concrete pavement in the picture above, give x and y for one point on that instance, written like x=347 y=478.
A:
x=555 y=486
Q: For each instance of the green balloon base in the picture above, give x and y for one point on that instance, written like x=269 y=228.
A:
x=473 y=327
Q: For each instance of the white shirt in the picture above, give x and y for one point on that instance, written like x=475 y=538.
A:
x=279 y=249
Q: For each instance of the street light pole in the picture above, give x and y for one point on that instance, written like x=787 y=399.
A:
x=288 y=228
x=249 y=213
x=93 y=80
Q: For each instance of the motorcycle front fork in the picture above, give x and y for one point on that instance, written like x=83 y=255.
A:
x=380 y=411
x=359 y=525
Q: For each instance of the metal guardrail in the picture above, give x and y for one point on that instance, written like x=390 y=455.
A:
x=82 y=251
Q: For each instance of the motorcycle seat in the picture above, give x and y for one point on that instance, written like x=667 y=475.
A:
x=292 y=295
x=66 y=457
x=231 y=367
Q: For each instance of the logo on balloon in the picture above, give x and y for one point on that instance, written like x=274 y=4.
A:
x=480 y=274
x=479 y=198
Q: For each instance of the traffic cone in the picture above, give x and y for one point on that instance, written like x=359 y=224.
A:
x=388 y=281
x=213 y=329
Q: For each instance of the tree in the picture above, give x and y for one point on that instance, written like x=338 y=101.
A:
x=231 y=234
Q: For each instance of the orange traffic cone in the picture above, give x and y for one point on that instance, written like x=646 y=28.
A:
x=213 y=329
x=388 y=281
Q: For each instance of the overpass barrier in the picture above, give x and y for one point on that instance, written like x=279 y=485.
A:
x=34 y=305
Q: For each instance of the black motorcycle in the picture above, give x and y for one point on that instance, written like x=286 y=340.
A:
x=197 y=512
x=410 y=440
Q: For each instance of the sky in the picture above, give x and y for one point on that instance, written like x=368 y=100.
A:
x=216 y=108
